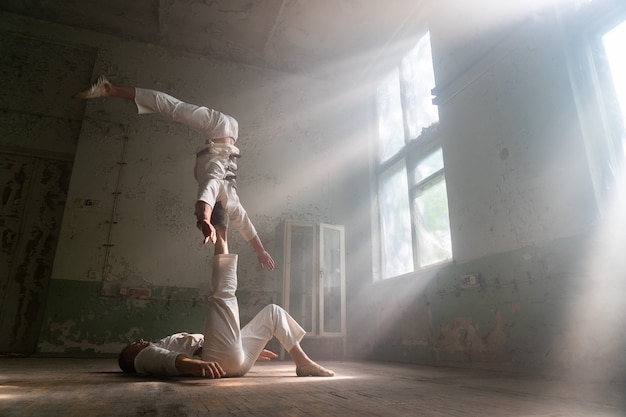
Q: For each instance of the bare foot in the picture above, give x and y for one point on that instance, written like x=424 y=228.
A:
x=313 y=369
x=101 y=88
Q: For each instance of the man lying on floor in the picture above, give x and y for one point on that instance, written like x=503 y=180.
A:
x=224 y=350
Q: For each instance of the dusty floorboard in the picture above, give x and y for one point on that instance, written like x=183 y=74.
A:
x=81 y=387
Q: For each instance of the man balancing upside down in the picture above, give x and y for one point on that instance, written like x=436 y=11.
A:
x=216 y=159
x=224 y=350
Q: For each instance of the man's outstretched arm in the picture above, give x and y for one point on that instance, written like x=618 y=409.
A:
x=264 y=258
x=197 y=367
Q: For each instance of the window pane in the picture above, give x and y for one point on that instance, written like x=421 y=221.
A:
x=390 y=124
x=331 y=290
x=432 y=223
x=419 y=79
x=301 y=275
x=395 y=220
x=428 y=166
x=614 y=45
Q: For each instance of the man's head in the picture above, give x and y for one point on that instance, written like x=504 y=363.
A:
x=126 y=358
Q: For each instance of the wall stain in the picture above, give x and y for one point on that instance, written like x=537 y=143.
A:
x=462 y=335
x=35 y=198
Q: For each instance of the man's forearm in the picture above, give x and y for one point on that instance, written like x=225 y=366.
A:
x=264 y=258
x=197 y=367
x=256 y=244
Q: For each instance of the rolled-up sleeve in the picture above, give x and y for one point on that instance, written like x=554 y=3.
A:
x=153 y=360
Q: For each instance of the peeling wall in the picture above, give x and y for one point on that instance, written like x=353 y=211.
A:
x=38 y=136
x=32 y=208
x=128 y=225
x=530 y=313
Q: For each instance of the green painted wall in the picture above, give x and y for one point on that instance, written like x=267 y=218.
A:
x=81 y=322
x=532 y=312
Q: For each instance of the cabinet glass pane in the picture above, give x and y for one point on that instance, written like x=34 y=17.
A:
x=331 y=280
x=301 y=273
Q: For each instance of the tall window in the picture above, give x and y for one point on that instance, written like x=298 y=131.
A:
x=413 y=203
x=613 y=41
x=598 y=33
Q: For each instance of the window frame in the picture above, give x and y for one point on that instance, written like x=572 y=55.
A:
x=592 y=90
x=415 y=150
x=431 y=144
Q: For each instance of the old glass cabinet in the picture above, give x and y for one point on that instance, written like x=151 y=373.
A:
x=313 y=277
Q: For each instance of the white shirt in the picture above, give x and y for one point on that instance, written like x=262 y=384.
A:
x=159 y=358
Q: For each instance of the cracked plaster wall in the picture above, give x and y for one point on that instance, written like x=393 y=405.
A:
x=38 y=136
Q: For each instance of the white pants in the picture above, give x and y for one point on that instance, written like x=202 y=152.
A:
x=237 y=350
x=212 y=123
x=210 y=172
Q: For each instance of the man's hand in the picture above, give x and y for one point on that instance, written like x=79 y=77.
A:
x=208 y=231
x=266 y=355
x=197 y=367
x=265 y=260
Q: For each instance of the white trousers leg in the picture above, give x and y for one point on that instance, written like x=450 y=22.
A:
x=224 y=192
x=272 y=321
x=222 y=337
x=212 y=123
x=237 y=350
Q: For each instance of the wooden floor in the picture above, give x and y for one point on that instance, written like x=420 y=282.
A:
x=81 y=387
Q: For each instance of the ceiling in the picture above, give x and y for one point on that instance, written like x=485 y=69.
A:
x=312 y=37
